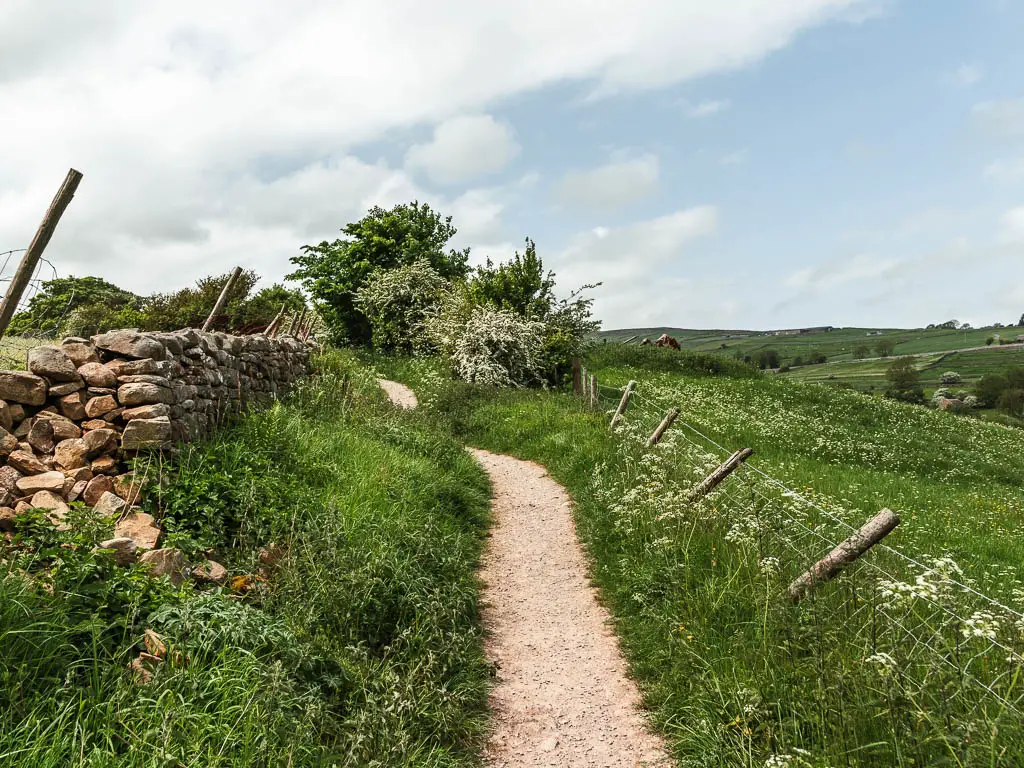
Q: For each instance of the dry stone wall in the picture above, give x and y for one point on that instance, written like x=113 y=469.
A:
x=69 y=423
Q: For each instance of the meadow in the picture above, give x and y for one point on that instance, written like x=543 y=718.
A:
x=836 y=345
x=869 y=375
x=911 y=658
x=349 y=637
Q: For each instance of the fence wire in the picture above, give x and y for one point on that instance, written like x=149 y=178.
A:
x=920 y=610
x=24 y=332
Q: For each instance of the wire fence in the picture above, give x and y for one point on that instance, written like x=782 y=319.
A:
x=944 y=644
x=25 y=332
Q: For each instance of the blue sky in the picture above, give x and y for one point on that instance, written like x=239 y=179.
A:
x=742 y=164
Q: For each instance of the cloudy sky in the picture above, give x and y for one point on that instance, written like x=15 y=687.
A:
x=737 y=163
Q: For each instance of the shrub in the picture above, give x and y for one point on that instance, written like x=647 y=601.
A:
x=397 y=303
x=949 y=378
x=489 y=346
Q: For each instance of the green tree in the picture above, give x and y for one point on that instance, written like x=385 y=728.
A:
x=1011 y=401
x=332 y=272
x=398 y=302
x=768 y=358
x=519 y=285
x=885 y=347
x=861 y=351
x=189 y=307
x=59 y=297
x=904 y=381
x=259 y=310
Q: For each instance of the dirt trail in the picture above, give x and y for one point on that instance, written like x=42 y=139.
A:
x=400 y=394
x=562 y=697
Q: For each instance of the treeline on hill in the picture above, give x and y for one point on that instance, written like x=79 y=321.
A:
x=84 y=306
x=394 y=283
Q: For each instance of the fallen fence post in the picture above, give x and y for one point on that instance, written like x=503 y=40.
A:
x=271 y=329
x=35 y=249
x=223 y=298
x=872 y=532
x=670 y=417
x=626 y=393
x=577 y=382
x=711 y=481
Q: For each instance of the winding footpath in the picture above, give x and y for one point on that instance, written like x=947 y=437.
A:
x=563 y=696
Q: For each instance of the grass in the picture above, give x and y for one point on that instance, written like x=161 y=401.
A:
x=873 y=670
x=360 y=647
x=837 y=345
x=869 y=375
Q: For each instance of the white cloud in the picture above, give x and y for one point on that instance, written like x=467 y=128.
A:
x=211 y=134
x=739 y=157
x=965 y=75
x=638 y=266
x=1011 y=229
x=706 y=108
x=832 y=274
x=464 y=148
x=1000 y=119
x=1008 y=171
x=609 y=186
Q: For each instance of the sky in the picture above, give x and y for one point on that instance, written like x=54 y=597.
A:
x=736 y=164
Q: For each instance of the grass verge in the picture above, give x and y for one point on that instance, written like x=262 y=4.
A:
x=360 y=646
x=887 y=665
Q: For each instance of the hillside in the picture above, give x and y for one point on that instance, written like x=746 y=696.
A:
x=838 y=344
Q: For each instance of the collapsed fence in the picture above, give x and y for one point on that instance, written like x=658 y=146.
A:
x=913 y=634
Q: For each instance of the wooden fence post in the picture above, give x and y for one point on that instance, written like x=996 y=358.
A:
x=296 y=319
x=271 y=330
x=586 y=384
x=711 y=481
x=593 y=390
x=670 y=417
x=223 y=298
x=577 y=382
x=626 y=393
x=35 y=249
x=872 y=532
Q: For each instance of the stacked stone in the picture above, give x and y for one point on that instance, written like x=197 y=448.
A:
x=83 y=407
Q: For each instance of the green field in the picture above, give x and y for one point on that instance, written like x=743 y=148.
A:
x=892 y=664
x=869 y=375
x=837 y=344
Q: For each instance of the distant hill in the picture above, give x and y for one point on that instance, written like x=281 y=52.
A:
x=796 y=345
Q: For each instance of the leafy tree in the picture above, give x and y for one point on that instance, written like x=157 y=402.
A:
x=332 y=272
x=904 y=381
x=189 y=307
x=1011 y=401
x=861 y=351
x=885 y=347
x=1021 y=321
x=259 y=310
x=522 y=286
x=59 y=297
x=989 y=340
x=768 y=358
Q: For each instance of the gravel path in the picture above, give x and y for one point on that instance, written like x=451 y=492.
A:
x=400 y=394
x=562 y=696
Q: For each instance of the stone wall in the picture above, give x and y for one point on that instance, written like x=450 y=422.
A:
x=68 y=424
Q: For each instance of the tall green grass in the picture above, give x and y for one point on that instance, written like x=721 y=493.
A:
x=872 y=670
x=360 y=647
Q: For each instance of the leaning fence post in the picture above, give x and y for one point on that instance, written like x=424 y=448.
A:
x=223 y=298
x=670 y=417
x=872 y=532
x=577 y=383
x=35 y=249
x=271 y=330
x=711 y=481
x=626 y=393
x=296 y=318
